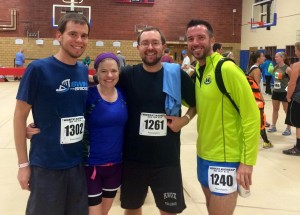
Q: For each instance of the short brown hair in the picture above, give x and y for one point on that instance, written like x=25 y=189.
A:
x=162 y=36
x=74 y=17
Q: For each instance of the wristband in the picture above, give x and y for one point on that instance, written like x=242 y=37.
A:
x=188 y=116
x=22 y=165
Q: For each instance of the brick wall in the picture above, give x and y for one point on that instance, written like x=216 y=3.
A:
x=112 y=21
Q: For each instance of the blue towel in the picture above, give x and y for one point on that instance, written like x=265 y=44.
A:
x=172 y=87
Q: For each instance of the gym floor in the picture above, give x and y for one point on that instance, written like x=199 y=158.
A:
x=275 y=189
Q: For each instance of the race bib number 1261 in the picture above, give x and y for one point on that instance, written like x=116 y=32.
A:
x=153 y=124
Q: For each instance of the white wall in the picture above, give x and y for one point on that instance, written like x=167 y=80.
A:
x=284 y=33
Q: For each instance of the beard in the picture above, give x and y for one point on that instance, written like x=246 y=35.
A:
x=151 y=63
x=205 y=53
x=202 y=55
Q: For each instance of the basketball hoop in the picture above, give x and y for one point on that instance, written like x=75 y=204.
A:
x=139 y=27
x=260 y=24
x=72 y=1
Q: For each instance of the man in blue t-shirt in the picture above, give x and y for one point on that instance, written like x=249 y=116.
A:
x=20 y=58
x=55 y=90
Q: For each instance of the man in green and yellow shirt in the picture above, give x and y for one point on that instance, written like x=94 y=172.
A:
x=227 y=143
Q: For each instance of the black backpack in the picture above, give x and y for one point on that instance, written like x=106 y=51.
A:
x=220 y=82
x=254 y=86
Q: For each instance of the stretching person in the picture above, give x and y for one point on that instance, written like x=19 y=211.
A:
x=281 y=75
x=293 y=98
x=255 y=60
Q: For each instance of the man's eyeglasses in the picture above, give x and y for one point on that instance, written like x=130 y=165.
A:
x=154 y=44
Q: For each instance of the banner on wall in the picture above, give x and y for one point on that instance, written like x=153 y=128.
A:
x=137 y=1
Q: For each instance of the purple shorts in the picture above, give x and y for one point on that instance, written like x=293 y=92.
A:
x=102 y=181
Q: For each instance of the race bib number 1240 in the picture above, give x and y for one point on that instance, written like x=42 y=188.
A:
x=222 y=179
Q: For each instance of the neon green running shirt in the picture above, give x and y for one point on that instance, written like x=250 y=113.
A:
x=223 y=134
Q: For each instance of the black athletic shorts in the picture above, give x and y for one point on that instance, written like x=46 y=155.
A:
x=165 y=183
x=280 y=96
x=57 y=192
x=293 y=114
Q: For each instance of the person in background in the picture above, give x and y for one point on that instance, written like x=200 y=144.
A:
x=217 y=47
x=228 y=54
x=186 y=63
x=87 y=61
x=281 y=73
x=19 y=61
x=20 y=58
x=53 y=172
x=267 y=70
x=227 y=143
x=106 y=117
x=293 y=98
x=255 y=60
x=167 y=57
x=121 y=59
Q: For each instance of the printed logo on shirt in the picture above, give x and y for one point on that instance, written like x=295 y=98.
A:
x=207 y=80
x=67 y=85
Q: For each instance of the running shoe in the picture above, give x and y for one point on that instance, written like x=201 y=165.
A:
x=267 y=145
x=287 y=132
x=272 y=129
x=268 y=124
x=293 y=151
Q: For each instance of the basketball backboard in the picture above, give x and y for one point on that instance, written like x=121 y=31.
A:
x=263 y=14
x=60 y=10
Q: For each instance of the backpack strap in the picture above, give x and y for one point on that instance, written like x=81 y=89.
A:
x=220 y=82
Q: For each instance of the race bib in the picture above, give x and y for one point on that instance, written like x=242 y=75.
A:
x=71 y=129
x=153 y=124
x=222 y=179
x=277 y=85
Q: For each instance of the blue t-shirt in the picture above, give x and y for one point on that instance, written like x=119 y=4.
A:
x=20 y=58
x=54 y=90
x=106 y=124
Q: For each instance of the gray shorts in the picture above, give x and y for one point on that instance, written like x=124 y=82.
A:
x=57 y=192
